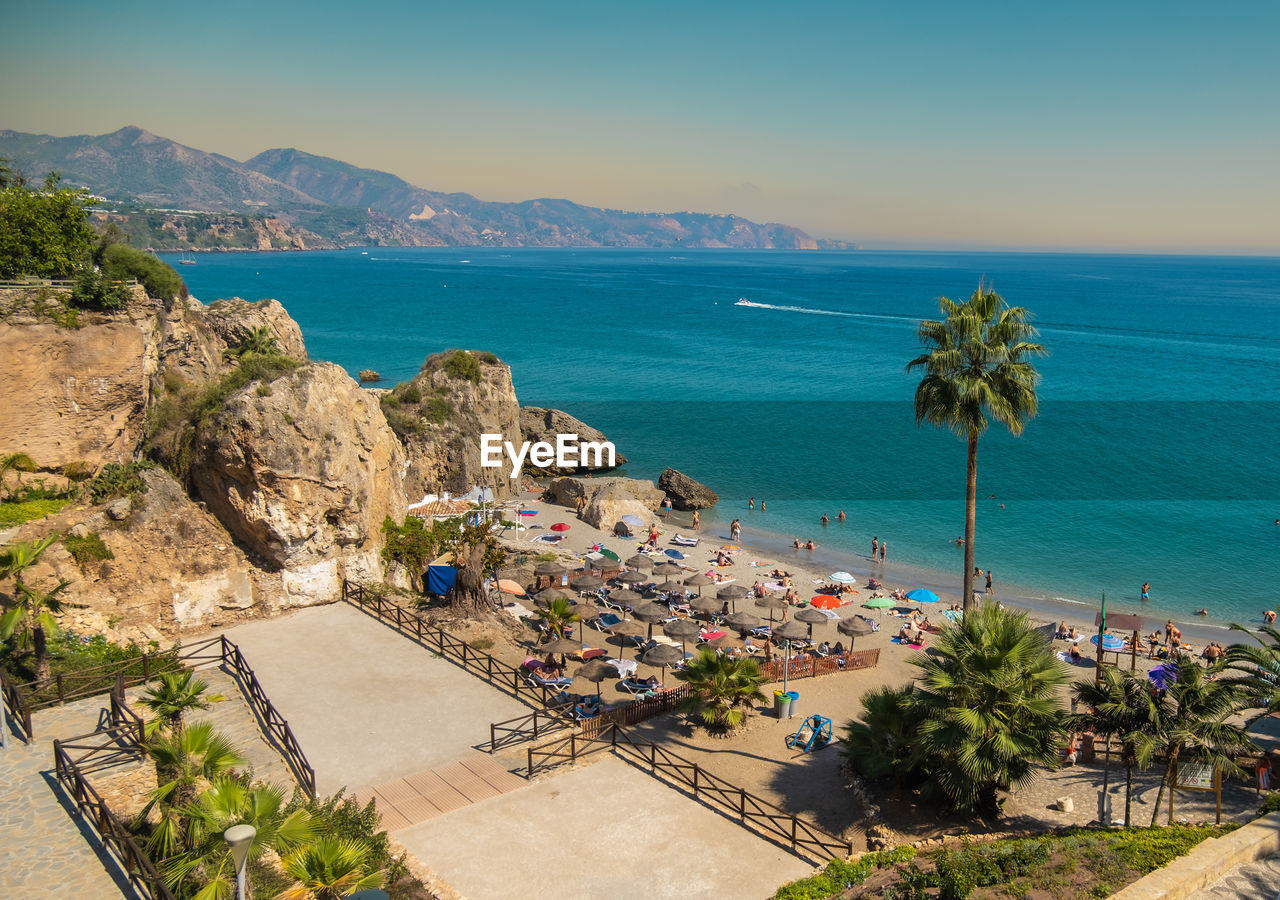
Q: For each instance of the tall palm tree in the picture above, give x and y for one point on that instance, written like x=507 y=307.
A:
x=1192 y=716
x=229 y=801
x=176 y=694
x=1117 y=705
x=1256 y=668
x=976 y=368
x=719 y=687
x=184 y=761
x=987 y=697
x=33 y=610
x=330 y=868
x=559 y=614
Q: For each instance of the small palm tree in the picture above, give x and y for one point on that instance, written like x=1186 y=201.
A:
x=257 y=341
x=720 y=687
x=330 y=868
x=184 y=760
x=1118 y=705
x=17 y=462
x=176 y=694
x=1192 y=717
x=1256 y=668
x=229 y=801
x=32 y=613
x=987 y=698
x=560 y=615
x=976 y=366
x=881 y=743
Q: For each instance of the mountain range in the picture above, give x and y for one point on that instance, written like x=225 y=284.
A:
x=169 y=195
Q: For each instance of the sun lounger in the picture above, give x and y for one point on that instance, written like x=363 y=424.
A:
x=607 y=621
x=681 y=541
x=539 y=681
x=638 y=687
x=764 y=631
x=711 y=635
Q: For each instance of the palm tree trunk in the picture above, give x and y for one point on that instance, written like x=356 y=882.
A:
x=1128 y=791
x=1166 y=780
x=42 y=656
x=970 y=520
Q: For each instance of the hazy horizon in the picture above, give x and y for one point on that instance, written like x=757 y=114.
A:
x=1135 y=129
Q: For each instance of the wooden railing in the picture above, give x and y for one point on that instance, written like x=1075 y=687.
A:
x=636 y=711
x=122 y=716
x=811 y=666
x=450 y=646
x=138 y=867
x=65 y=687
x=65 y=283
x=765 y=818
x=16 y=702
x=529 y=727
x=275 y=725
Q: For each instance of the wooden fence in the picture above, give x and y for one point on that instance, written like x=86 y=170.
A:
x=60 y=283
x=753 y=812
x=812 y=666
x=528 y=727
x=13 y=699
x=138 y=867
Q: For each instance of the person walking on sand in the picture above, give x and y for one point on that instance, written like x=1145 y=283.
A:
x=735 y=529
x=666 y=507
x=1168 y=632
x=695 y=520
x=875 y=548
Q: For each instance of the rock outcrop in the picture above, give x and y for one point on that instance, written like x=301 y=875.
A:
x=302 y=471
x=566 y=491
x=685 y=493
x=441 y=415
x=538 y=424
x=610 y=502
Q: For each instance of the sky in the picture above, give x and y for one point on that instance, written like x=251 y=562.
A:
x=1146 y=127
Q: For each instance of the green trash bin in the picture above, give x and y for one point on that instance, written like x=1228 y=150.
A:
x=793 y=703
x=780 y=702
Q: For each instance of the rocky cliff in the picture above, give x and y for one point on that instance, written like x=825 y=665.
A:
x=538 y=424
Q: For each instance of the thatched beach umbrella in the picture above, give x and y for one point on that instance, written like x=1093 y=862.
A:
x=742 y=621
x=624 y=596
x=551 y=568
x=633 y=578
x=651 y=613
x=564 y=646
x=811 y=617
x=671 y=587
x=697 y=580
x=624 y=629
x=640 y=562
x=771 y=602
x=788 y=632
x=595 y=671
x=669 y=569
x=586 y=582
x=663 y=655
x=681 y=630
x=706 y=604
x=853 y=627
x=733 y=593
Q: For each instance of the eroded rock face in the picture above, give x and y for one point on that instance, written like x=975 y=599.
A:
x=566 y=491
x=610 y=502
x=538 y=424
x=685 y=493
x=303 y=473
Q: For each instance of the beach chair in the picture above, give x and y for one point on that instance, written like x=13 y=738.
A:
x=610 y=603
x=638 y=687
x=538 y=681
x=607 y=621
x=763 y=631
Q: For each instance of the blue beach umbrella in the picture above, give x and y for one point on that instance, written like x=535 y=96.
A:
x=674 y=554
x=633 y=521
x=1110 y=642
x=922 y=595
x=1163 y=675
x=843 y=578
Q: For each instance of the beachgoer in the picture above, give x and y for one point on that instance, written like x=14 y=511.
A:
x=1071 y=634
x=825 y=520
x=1269 y=617
x=811 y=545
x=751 y=504
x=1073 y=652
x=1263 y=768
x=1202 y=612
x=841 y=516
x=796 y=543
x=988 y=590
x=1146 y=590
x=761 y=506
x=1177 y=636
x=884 y=548
x=695 y=520
x=875 y=548
x=735 y=529
x=959 y=542
x=1073 y=752
x=666 y=507
x=1168 y=631
x=1061 y=632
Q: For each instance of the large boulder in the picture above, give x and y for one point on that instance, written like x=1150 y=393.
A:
x=684 y=492
x=303 y=471
x=566 y=491
x=538 y=424
x=610 y=502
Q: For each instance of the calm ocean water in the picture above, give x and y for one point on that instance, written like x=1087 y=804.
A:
x=1151 y=460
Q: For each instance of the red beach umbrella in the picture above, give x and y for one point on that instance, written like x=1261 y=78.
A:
x=825 y=601
x=560 y=526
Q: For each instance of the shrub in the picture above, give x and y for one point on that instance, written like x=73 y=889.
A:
x=94 y=290
x=43 y=231
x=437 y=410
x=409 y=394
x=343 y=817
x=17 y=513
x=489 y=359
x=77 y=471
x=116 y=480
x=462 y=365
x=87 y=549
x=1270 y=803
x=120 y=261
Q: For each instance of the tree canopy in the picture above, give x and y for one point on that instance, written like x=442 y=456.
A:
x=44 y=231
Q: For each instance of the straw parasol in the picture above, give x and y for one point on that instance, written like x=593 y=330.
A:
x=624 y=596
x=853 y=627
x=681 y=630
x=742 y=621
x=595 y=671
x=718 y=643
x=563 y=646
x=671 y=587
x=651 y=613
x=771 y=602
x=633 y=578
x=586 y=581
x=663 y=655
x=640 y=561
x=550 y=568
x=624 y=629
x=788 y=632
x=668 y=569
x=811 y=617
x=706 y=604
x=732 y=592
x=697 y=580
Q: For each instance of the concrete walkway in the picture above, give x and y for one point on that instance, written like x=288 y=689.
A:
x=367 y=704
x=45 y=850
x=1252 y=881
x=417 y=798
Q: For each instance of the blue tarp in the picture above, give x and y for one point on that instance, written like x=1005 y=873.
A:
x=440 y=579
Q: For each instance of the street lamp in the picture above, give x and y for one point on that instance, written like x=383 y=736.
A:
x=240 y=837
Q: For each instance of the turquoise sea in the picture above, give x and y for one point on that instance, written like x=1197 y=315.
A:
x=1153 y=458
